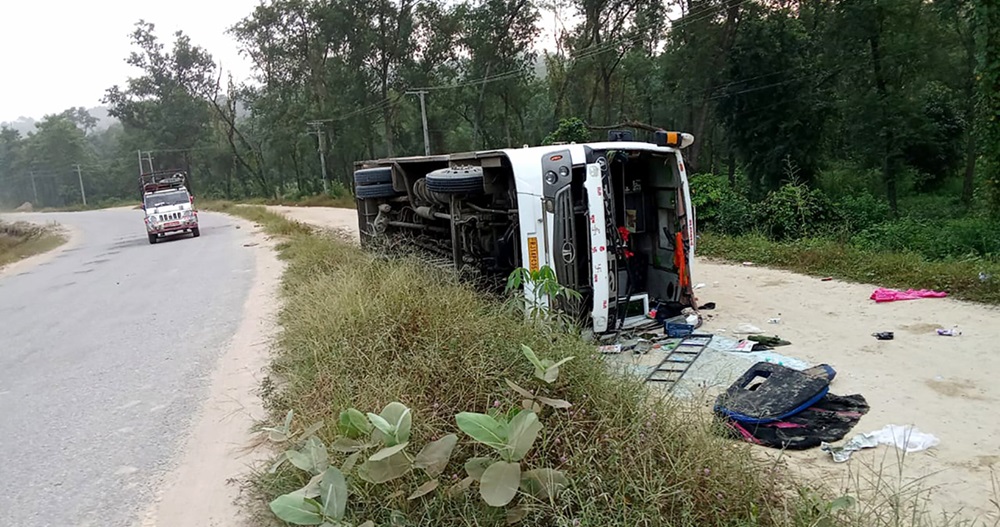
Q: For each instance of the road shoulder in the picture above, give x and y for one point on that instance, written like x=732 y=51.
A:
x=71 y=239
x=205 y=486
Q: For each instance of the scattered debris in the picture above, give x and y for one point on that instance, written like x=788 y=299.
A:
x=610 y=348
x=676 y=330
x=747 y=264
x=252 y=244
x=826 y=278
x=884 y=335
x=642 y=347
x=983 y=277
x=843 y=453
x=699 y=286
x=907 y=438
x=745 y=346
x=707 y=306
x=238 y=227
x=953 y=332
x=749 y=329
x=781 y=360
x=769 y=341
x=664 y=311
x=679 y=360
x=892 y=295
x=774 y=320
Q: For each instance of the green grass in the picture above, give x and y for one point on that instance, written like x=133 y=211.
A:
x=822 y=257
x=320 y=200
x=361 y=331
x=20 y=240
x=273 y=223
x=317 y=200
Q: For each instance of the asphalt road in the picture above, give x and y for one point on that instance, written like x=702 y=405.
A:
x=105 y=353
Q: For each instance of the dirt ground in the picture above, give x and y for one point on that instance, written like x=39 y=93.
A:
x=944 y=386
x=343 y=220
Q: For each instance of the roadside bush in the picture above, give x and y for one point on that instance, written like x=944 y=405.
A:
x=794 y=211
x=735 y=215
x=719 y=207
x=858 y=212
x=933 y=207
x=970 y=237
x=845 y=179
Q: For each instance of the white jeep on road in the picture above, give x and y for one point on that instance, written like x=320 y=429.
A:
x=168 y=205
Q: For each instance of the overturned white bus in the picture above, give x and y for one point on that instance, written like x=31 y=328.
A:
x=613 y=219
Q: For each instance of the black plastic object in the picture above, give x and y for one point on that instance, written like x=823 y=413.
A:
x=620 y=135
x=884 y=335
x=829 y=420
x=668 y=310
x=768 y=392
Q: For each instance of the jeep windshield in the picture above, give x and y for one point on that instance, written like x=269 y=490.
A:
x=167 y=199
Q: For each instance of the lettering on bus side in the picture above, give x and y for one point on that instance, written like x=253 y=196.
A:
x=533 y=253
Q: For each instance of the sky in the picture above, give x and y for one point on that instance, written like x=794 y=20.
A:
x=55 y=54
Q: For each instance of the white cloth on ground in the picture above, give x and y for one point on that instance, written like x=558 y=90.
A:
x=908 y=438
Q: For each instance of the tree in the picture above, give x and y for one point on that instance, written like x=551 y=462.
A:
x=162 y=103
x=986 y=15
x=772 y=109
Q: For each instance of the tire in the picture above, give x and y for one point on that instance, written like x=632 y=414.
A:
x=373 y=176
x=195 y=232
x=152 y=239
x=459 y=180
x=378 y=190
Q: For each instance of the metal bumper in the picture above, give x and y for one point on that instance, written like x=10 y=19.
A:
x=172 y=226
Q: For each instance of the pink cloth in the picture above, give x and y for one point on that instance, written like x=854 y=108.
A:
x=889 y=295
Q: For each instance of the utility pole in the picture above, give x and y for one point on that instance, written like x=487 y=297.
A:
x=149 y=157
x=79 y=175
x=140 y=160
x=423 y=117
x=322 y=151
x=34 y=189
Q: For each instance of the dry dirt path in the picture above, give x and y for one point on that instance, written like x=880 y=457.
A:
x=945 y=386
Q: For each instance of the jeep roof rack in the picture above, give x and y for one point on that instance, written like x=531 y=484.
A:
x=162 y=180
